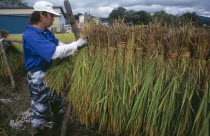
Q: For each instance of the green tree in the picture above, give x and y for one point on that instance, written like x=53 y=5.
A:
x=137 y=17
x=191 y=17
x=163 y=18
x=117 y=13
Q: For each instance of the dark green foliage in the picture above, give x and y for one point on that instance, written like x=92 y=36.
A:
x=137 y=17
x=132 y=17
x=163 y=18
x=117 y=13
x=191 y=17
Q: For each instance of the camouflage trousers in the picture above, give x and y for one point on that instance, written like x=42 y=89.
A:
x=43 y=101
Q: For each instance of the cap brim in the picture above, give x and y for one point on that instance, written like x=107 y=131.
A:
x=54 y=13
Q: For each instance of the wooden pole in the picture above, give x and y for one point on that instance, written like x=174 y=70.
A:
x=75 y=30
x=7 y=64
x=11 y=40
x=71 y=19
x=66 y=120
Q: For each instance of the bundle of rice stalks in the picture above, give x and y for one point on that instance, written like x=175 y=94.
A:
x=186 y=41
x=58 y=77
x=61 y=68
x=132 y=96
x=15 y=59
x=127 y=82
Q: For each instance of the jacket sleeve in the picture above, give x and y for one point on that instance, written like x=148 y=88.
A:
x=64 y=50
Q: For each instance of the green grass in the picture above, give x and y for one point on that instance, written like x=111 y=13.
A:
x=63 y=37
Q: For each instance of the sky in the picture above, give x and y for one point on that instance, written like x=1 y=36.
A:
x=102 y=8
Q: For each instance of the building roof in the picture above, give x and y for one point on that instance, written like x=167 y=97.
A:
x=22 y=15
x=55 y=7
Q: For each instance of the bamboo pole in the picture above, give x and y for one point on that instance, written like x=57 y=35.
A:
x=12 y=40
x=75 y=30
x=7 y=64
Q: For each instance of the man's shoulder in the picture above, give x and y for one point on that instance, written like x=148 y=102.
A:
x=29 y=33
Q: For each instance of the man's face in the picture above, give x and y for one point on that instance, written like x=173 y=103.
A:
x=47 y=21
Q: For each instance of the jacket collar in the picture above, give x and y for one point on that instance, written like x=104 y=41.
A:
x=35 y=29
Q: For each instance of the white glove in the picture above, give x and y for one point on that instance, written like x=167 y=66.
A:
x=82 y=41
x=1 y=40
x=64 y=50
x=61 y=44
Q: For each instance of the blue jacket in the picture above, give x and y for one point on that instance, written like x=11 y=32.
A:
x=38 y=48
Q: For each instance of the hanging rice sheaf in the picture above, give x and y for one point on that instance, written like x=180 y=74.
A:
x=59 y=75
x=150 y=80
x=15 y=60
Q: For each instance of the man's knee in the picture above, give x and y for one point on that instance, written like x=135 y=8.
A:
x=40 y=109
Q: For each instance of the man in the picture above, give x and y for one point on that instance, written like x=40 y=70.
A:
x=40 y=47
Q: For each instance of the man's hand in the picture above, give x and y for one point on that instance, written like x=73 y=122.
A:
x=82 y=41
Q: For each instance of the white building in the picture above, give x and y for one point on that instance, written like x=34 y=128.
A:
x=86 y=18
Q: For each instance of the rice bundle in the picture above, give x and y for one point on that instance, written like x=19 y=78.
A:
x=15 y=59
x=147 y=80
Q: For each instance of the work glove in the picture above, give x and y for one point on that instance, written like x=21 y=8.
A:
x=82 y=41
x=64 y=50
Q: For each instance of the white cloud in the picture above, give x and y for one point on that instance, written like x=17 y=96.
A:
x=176 y=11
x=103 y=8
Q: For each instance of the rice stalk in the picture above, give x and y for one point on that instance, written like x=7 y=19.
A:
x=148 y=80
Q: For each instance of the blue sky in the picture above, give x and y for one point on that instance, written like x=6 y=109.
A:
x=101 y=8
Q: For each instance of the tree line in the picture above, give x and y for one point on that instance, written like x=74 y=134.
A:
x=161 y=17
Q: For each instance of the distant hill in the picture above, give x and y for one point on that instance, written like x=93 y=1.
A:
x=205 y=20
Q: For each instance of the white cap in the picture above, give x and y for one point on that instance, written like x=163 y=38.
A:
x=45 y=6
